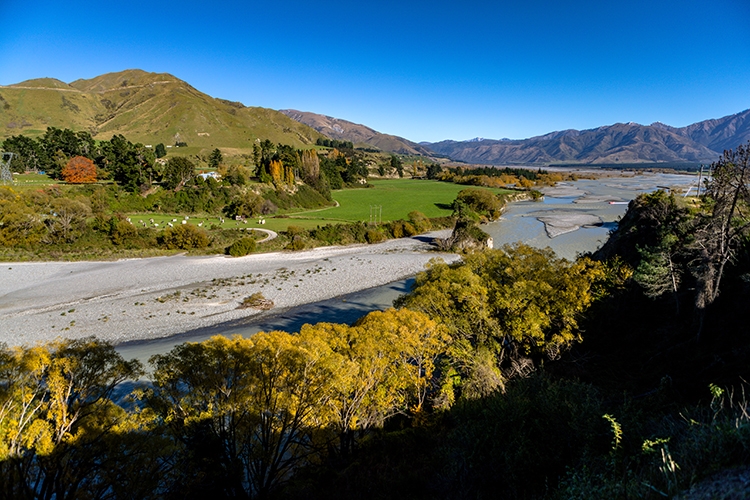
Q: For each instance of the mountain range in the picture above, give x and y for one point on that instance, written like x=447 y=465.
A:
x=158 y=107
x=704 y=141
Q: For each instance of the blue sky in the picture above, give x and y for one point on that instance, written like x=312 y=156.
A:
x=426 y=71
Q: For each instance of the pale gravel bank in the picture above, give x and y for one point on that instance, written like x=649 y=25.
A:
x=140 y=299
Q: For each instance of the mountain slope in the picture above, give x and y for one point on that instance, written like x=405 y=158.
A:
x=618 y=143
x=144 y=107
x=335 y=128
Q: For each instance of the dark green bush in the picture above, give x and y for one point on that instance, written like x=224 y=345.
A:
x=241 y=247
x=184 y=236
x=297 y=243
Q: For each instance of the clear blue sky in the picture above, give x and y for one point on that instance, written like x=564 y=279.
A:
x=426 y=71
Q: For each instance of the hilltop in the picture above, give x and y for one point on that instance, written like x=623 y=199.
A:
x=144 y=107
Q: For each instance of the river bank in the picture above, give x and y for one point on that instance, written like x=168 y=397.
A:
x=141 y=299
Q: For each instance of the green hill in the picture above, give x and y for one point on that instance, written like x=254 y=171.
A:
x=144 y=107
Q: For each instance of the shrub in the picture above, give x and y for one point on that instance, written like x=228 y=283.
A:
x=420 y=221
x=401 y=228
x=241 y=247
x=374 y=236
x=121 y=231
x=184 y=236
x=297 y=243
x=293 y=231
x=256 y=301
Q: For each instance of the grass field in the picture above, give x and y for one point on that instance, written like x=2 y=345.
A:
x=397 y=197
x=386 y=200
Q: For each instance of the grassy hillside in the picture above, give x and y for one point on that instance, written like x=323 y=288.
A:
x=144 y=107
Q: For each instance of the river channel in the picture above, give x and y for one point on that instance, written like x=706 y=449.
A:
x=573 y=218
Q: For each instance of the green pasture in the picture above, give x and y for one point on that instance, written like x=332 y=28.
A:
x=32 y=180
x=395 y=197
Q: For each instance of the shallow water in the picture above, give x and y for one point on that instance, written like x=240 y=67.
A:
x=520 y=223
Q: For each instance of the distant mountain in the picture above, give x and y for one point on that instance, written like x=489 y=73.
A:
x=360 y=135
x=619 y=143
x=144 y=107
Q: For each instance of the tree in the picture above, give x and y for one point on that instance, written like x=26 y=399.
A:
x=310 y=166
x=475 y=203
x=29 y=154
x=131 y=165
x=178 y=171
x=397 y=165
x=504 y=308
x=215 y=158
x=256 y=403
x=79 y=170
x=276 y=171
x=160 y=151
x=59 y=428
x=433 y=171
x=719 y=234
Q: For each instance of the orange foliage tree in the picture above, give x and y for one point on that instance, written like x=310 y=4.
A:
x=79 y=170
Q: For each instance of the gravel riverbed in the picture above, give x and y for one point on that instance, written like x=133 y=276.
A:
x=139 y=299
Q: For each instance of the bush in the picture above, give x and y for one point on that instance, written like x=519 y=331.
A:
x=297 y=243
x=121 y=231
x=401 y=228
x=241 y=247
x=374 y=236
x=293 y=231
x=420 y=221
x=184 y=236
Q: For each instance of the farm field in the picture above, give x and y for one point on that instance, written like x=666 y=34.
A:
x=386 y=200
x=396 y=197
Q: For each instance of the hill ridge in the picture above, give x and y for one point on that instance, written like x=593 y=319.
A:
x=144 y=107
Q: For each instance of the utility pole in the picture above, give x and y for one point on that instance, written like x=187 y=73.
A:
x=376 y=214
x=6 y=176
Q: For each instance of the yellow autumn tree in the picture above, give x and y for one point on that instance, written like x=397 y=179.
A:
x=276 y=170
x=504 y=308
x=262 y=400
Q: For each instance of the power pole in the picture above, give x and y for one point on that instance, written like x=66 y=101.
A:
x=6 y=176
x=376 y=214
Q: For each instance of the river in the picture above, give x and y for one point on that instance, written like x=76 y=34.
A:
x=584 y=201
